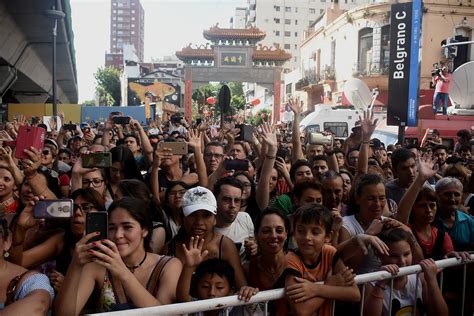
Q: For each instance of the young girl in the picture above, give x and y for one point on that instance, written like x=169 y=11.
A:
x=428 y=297
x=121 y=268
x=312 y=262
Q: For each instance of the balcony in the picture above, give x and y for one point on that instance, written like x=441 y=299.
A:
x=312 y=79
x=373 y=74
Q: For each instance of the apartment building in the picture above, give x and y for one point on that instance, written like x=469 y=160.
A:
x=127 y=26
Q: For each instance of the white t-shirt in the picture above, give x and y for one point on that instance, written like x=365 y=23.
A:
x=238 y=231
x=371 y=262
x=403 y=300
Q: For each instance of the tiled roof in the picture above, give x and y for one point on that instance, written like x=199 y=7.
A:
x=267 y=54
x=199 y=53
x=250 y=33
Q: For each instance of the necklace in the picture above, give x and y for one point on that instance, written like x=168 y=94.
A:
x=132 y=269
x=274 y=273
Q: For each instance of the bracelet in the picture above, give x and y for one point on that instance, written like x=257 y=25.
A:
x=270 y=157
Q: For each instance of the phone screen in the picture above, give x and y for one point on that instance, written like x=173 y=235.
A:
x=97 y=222
x=97 y=160
x=53 y=209
x=122 y=120
x=237 y=164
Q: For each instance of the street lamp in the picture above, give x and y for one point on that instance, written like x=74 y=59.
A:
x=55 y=15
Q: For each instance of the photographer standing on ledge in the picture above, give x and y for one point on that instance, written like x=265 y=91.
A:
x=441 y=79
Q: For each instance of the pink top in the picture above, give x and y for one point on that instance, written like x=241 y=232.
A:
x=441 y=85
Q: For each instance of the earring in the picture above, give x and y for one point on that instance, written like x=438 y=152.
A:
x=6 y=254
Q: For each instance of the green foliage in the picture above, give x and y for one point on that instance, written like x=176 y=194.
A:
x=108 y=86
x=237 y=101
x=258 y=119
x=89 y=103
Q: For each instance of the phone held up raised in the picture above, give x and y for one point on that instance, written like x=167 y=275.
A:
x=53 y=209
x=177 y=148
x=122 y=120
x=97 y=222
x=29 y=136
x=237 y=164
x=97 y=160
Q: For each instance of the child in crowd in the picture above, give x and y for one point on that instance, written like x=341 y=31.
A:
x=427 y=297
x=205 y=279
x=316 y=261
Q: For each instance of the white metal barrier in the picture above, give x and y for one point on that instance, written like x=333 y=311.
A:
x=271 y=295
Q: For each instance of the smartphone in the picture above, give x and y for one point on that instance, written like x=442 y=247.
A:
x=177 y=148
x=236 y=164
x=97 y=222
x=198 y=121
x=34 y=120
x=53 y=209
x=122 y=120
x=283 y=153
x=246 y=132
x=97 y=160
x=29 y=136
x=70 y=127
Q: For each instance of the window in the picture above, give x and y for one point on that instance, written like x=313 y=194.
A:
x=340 y=129
x=296 y=34
x=365 y=49
x=296 y=46
x=296 y=10
x=114 y=3
x=133 y=18
x=114 y=11
x=277 y=21
x=333 y=55
x=385 y=49
x=296 y=59
x=277 y=33
x=288 y=88
x=133 y=32
x=133 y=11
x=323 y=0
x=287 y=21
x=133 y=25
x=287 y=33
x=312 y=10
x=287 y=9
x=296 y=22
x=277 y=8
x=287 y=46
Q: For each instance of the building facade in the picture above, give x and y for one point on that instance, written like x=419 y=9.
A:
x=127 y=26
x=356 y=44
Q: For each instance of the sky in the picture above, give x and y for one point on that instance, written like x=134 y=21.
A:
x=170 y=25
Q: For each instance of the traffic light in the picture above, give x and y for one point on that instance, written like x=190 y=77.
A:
x=450 y=51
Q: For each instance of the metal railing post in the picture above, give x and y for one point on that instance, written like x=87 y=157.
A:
x=463 y=299
x=390 y=297
x=362 y=300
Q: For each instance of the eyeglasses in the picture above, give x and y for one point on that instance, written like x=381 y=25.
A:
x=85 y=207
x=177 y=193
x=46 y=152
x=96 y=182
x=212 y=155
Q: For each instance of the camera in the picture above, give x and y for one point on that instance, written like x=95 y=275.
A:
x=320 y=139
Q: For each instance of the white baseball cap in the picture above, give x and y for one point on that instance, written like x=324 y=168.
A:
x=199 y=198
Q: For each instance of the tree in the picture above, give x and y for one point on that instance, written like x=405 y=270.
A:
x=108 y=85
x=88 y=103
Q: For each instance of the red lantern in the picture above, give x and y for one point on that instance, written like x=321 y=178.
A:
x=255 y=102
x=211 y=100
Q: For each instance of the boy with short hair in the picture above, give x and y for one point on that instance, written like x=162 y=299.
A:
x=314 y=261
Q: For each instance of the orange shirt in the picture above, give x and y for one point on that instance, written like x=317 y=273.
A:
x=316 y=272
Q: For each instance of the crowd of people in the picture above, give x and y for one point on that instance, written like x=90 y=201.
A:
x=198 y=211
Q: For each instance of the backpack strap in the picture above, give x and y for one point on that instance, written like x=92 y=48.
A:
x=154 y=280
x=13 y=286
x=119 y=292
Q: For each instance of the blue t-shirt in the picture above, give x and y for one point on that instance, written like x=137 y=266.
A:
x=462 y=232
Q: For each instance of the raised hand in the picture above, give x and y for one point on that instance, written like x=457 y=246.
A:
x=368 y=124
x=194 y=255
x=53 y=123
x=195 y=139
x=295 y=105
x=108 y=256
x=31 y=166
x=83 y=251
x=425 y=169
x=269 y=136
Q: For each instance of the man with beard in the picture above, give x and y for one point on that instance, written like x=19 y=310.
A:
x=230 y=222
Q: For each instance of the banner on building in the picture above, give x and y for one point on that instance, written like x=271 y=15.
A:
x=139 y=89
x=405 y=33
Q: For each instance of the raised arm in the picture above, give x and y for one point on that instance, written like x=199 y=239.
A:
x=37 y=184
x=147 y=148
x=297 y=107
x=368 y=125
x=263 y=190
x=425 y=172
x=195 y=142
